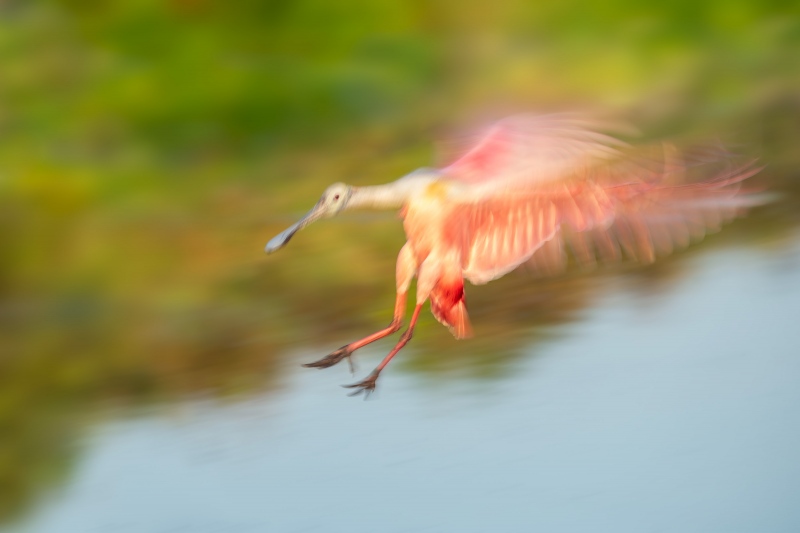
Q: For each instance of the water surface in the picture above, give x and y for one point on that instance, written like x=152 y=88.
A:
x=667 y=411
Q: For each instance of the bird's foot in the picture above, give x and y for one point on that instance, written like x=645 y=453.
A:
x=366 y=386
x=333 y=358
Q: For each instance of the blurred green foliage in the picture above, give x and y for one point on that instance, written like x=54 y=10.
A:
x=149 y=148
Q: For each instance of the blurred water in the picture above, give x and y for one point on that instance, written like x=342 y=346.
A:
x=674 y=412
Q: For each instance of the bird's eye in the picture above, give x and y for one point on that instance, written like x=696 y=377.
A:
x=335 y=196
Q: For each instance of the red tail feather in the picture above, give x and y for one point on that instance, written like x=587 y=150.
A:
x=450 y=308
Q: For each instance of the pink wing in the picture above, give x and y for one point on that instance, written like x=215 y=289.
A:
x=527 y=149
x=599 y=213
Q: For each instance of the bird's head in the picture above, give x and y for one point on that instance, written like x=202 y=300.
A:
x=332 y=201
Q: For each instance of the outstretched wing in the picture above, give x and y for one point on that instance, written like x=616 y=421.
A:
x=526 y=150
x=598 y=211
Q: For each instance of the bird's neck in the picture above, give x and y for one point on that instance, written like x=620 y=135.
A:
x=376 y=197
x=392 y=195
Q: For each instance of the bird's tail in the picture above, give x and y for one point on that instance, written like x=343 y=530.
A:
x=450 y=308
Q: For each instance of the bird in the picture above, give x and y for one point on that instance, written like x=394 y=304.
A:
x=525 y=190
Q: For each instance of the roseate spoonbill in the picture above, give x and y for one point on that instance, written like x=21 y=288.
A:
x=523 y=190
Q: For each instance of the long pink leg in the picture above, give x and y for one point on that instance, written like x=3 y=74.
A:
x=368 y=385
x=429 y=273
x=405 y=270
x=347 y=350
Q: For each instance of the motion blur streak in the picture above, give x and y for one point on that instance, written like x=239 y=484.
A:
x=148 y=148
x=525 y=189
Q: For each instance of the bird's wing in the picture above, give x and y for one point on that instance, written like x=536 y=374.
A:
x=527 y=150
x=597 y=215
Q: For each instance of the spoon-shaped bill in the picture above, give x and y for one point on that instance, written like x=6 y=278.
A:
x=280 y=240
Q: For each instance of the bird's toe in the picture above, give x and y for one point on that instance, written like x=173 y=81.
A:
x=365 y=387
x=332 y=358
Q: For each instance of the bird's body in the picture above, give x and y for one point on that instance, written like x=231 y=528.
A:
x=527 y=190
x=435 y=254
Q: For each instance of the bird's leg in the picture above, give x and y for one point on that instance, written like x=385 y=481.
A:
x=368 y=385
x=347 y=350
x=406 y=267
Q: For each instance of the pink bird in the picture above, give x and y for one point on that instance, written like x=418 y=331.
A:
x=528 y=188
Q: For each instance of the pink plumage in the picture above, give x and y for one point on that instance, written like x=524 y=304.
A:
x=526 y=191
x=534 y=180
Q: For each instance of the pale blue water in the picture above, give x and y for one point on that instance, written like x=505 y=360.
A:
x=669 y=413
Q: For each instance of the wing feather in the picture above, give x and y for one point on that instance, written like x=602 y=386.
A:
x=526 y=149
x=531 y=180
x=642 y=220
